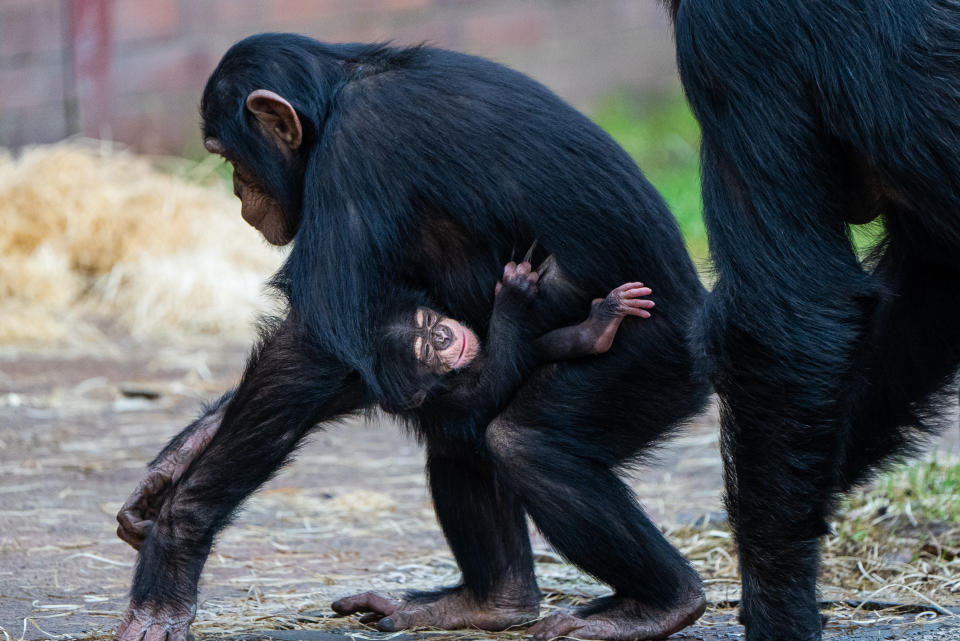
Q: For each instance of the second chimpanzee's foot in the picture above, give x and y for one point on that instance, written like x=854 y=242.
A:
x=452 y=609
x=621 y=619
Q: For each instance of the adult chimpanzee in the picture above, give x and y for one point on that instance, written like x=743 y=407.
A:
x=422 y=170
x=817 y=114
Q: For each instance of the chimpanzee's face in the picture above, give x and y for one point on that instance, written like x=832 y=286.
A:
x=258 y=208
x=441 y=343
x=278 y=123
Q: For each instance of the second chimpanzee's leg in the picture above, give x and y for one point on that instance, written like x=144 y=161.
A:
x=914 y=345
x=785 y=325
x=486 y=528
x=289 y=386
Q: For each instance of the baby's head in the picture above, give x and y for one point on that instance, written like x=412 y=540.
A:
x=420 y=348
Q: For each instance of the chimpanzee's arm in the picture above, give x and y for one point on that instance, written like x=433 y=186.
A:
x=508 y=356
x=142 y=506
x=289 y=386
x=595 y=335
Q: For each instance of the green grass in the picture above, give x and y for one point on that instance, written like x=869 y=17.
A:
x=912 y=496
x=663 y=137
x=932 y=487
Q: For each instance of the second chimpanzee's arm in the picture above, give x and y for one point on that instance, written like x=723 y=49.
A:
x=595 y=335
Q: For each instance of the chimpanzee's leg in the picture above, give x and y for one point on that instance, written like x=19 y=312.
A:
x=486 y=528
x=593 y=519
x=914 y=347
x=785 y=325
x=290 y=385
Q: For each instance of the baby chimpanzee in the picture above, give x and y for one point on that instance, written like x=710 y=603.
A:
x=431 y=358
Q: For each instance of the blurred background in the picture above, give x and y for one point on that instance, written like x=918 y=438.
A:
x=130 y=73
x=129 y=286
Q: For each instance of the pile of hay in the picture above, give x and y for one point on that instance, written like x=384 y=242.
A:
x=90 y=235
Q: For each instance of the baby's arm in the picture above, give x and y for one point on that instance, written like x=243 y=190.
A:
x=595 y=335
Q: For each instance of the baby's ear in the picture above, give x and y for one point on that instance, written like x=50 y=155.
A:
x=394 y=406
x=418 y=399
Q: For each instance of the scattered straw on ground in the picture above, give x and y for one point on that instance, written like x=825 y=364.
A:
x=895 y=542
x=91 y=234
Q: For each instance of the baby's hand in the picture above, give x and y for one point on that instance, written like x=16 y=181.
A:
x=606 y=314
x=520 y=279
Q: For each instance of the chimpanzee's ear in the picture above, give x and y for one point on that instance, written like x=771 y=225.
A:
x=418 y=399
x=277 y=118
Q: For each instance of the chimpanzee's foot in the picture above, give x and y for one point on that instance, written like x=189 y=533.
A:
x=452 y=609
x=156 y=623
x=621 y=619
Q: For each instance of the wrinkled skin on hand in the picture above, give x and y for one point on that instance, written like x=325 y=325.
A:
x=141 y=508
x=166 y=623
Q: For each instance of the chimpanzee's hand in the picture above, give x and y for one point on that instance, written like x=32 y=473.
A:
x=143 y=505
x=626 y=300
x=518 y=280
x=606 y=314
x=141 y=508
x=167 y=622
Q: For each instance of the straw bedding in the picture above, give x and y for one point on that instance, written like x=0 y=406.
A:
x=94 y=237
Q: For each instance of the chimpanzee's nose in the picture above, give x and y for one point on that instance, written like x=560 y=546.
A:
x=442 y=336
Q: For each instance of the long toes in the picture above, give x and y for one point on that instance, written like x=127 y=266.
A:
x=555 y=625
x=393 y=623
x=132 y=628
x=370 y=617
x=411 y=618
x=366 y=602
x=417 y=617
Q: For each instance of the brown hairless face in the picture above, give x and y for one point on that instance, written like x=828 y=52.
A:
x=258 y=208
x=278 y=123
x=442 y=344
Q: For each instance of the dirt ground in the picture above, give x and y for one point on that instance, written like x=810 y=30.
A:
x=351 y=514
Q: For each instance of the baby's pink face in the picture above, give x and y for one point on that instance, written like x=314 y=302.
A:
x=441 y=343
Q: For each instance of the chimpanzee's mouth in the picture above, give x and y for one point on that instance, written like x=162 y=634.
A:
x=463 y=348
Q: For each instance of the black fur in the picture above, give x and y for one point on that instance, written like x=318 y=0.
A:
x=425 y=171
x=815 y=114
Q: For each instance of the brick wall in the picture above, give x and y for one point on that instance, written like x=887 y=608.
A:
x=132 y=70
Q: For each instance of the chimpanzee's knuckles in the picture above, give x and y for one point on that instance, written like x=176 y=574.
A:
x=129 y=529
x=161 y=623
x=135 y=627
x=132 y=539
x=125 y=624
